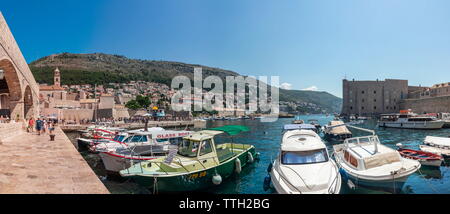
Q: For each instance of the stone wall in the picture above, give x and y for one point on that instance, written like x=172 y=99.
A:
x=427 y=105
x=11 y=130
x=18 y=76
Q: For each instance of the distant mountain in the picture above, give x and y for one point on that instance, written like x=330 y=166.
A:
x=324 y=100
x=99 y=68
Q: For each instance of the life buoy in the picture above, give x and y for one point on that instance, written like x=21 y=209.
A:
x=238 y=168
x=250 y=157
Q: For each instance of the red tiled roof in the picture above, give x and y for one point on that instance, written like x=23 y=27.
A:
x=51 y=88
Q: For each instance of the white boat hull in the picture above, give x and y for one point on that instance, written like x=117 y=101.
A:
x=281 y=185
x=412 y=125
x=387 y=182
x=434 y=163
x=444 y=152
x=115 y=163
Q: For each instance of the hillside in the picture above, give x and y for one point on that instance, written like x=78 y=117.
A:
x=101 y=68
x=325 y=100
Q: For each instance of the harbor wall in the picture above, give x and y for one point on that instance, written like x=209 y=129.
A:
x=427 y=105
x=11 y=130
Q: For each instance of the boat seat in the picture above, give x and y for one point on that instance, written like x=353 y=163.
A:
x=224 y=154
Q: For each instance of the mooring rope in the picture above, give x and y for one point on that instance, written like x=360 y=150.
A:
x=429 y=184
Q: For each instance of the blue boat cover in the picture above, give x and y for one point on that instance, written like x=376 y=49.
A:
x=299 y=126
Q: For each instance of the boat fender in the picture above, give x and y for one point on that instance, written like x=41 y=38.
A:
x=238 y=168
x=217 y=179
x=250 y=157
x=269 y=168
x=258 y=155
x=266 y=185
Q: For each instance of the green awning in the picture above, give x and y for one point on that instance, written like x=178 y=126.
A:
x=232 y=129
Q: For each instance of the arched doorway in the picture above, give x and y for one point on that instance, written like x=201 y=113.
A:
x=10 y=91
x=28 y=103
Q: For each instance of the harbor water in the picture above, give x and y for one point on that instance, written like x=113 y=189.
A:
x=266 y=138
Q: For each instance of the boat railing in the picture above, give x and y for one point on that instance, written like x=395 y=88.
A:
x=178 y=162
x=330 y=189
x=358 y=141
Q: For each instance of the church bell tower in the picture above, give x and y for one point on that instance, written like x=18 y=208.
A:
x=57 y=77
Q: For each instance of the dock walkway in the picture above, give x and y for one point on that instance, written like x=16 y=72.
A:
x=32 y=164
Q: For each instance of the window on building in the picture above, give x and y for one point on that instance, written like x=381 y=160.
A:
x=362 y=108
x=395 y=107
x=374 y=92
x=375 y=108
x=362 y=92
x=374 y=100
x=362 y=100
x=351 y=108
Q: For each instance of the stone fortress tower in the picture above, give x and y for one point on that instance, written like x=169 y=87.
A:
x=370 y=98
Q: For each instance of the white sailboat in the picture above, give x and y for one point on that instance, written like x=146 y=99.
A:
x=304 y=166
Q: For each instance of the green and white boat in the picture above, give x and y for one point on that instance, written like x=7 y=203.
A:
x=198 y=162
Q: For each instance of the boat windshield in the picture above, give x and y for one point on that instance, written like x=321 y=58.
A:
x=172 y=141
x=119 y=138
x=188 y=148
x=304 y=157
x=136 y=139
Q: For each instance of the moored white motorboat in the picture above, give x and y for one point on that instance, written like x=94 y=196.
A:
x=408 y=120
x=365 y=162
x=304 y=166
x=437 y=145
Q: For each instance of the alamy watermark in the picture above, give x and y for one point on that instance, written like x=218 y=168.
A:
x=240 y=95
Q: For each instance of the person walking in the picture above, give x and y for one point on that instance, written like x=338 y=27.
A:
x=44 y=126
x=39 y=125
x=31 y=125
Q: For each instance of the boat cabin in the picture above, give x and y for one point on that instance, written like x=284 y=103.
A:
x=302 y=147
x=364 y=153
x=290 y=127
x=405 y=118
x=202 y=146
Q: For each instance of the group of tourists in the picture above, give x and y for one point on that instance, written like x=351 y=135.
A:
x=41 y=125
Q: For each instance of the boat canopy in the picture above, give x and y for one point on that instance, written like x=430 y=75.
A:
x=299 y=126
x=338 y=127
x=232 y=129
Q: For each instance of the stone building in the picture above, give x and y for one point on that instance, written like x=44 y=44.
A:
x=19 y=92
x=369 y=98
x=435 y=99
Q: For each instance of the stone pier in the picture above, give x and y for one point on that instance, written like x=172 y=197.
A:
x=32 y=164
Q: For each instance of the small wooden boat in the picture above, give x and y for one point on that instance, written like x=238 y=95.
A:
x=337 y=131
x=425 y=158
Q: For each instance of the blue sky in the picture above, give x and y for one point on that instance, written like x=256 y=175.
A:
x=309 y=43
